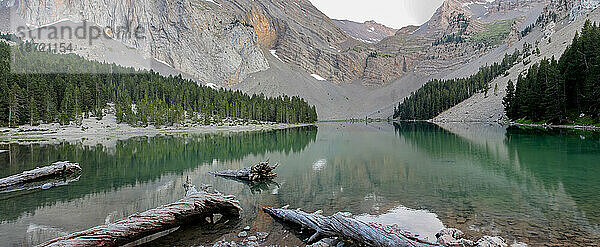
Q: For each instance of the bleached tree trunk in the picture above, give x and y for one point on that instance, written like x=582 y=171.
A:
x=195 y=206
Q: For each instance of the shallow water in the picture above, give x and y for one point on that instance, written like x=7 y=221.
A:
x=531 y=186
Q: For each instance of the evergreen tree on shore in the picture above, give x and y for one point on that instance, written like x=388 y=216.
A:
x=437 y=96
x=561 y=91
x=83 y=88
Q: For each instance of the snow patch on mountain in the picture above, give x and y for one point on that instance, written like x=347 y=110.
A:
x=274 y=53
x=212 y=85
x=318 y=77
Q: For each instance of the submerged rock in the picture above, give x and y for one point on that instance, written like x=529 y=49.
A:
x=262 y=235
x=488 y=241
x=454 y=237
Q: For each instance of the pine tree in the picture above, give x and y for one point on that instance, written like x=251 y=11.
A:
x=33 y=112
x=554 y=104
x=14 y=105
x=509 y=100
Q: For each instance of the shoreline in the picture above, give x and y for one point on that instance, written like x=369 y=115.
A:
x=552 y=126
x=508 y=123
x=107 y=132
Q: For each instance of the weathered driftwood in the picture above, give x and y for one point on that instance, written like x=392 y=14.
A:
x=344 y=227
x=370 y=234
x=195 y=206
x=254 y=173
x=56 y=169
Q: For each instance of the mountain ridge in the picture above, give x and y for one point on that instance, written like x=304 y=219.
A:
x=368 y=31
x=230 y=42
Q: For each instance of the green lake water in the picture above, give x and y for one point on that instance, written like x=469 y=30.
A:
x=532 y=186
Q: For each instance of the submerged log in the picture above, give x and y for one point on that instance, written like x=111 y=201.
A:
x=370 y=234
x=256 y=172
x=195 y=206
x=56 y=169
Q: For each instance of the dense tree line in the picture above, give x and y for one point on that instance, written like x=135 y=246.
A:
x=437 y=96
x=560 y=91
x=77 y=88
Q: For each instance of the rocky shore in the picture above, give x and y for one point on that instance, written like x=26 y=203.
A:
x=107 y=131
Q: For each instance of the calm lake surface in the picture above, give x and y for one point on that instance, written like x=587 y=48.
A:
x=532 y=186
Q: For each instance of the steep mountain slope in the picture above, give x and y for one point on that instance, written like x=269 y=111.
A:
x=369 y=31
x=222 y=41
x=553 y=40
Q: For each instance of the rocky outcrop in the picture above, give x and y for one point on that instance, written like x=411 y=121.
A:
x=579 y=8
x=384 y=68
x=483 y=107
x=443 y=19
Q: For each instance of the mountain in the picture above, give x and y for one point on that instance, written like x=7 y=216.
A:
x=221 y=41
x=369 y=31
x=289 y=47
x=552 y=38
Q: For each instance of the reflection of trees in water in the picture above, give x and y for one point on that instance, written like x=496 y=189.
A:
x=547 y=181
x=561 y=159
x=140 y=159
x=355 y=175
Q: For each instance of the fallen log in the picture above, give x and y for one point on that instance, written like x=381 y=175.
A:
x=360 y=233
x=260 y=171
x=344 y=227
x=56 y=169
x=195 y=206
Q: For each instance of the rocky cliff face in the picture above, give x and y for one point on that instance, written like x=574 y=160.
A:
x=224 y=41
x=220 y=41
x=201 y=38
x=461 y=31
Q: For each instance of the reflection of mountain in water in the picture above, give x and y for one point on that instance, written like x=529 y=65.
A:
x=533 y=179
x=139 y=160
x=561 y=160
